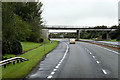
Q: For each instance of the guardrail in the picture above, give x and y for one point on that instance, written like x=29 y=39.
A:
x=10 y=60
x=103 y=43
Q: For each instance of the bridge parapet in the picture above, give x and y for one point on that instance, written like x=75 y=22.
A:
x=77 y=27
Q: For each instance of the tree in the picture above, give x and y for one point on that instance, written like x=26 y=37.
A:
x=20 y=22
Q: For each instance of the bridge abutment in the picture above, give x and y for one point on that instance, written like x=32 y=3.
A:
x=107 y=35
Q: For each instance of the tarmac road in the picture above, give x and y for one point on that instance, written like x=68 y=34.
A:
x=80 y=60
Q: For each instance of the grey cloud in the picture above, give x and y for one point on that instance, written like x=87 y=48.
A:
x=77 y=12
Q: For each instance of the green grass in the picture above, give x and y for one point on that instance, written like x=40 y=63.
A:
x=8 y=55
x=25 y=46
x=19 y=70
x=29 y=45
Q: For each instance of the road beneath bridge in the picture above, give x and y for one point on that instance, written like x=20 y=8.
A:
x=80 y=60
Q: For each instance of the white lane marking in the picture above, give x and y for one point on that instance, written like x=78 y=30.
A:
x=93 y=56
x=108 y=49
x=50 y=76
x=52 y=73
x=58 y=64
x=57 y=67
x=54 y=69
x=90 y=53
x=98 y=62
x=87 y=50
x=104 y=71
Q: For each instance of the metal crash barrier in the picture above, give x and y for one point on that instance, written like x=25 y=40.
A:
x=103 y=43
x=12 y=60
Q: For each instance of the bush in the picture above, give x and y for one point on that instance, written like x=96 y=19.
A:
x=16 y=46
x=41 y=40
x=11 y=47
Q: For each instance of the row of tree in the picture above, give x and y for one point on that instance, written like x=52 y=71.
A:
x=62 y=35
x=100 y=35
x=21 y=21
x=91 y=34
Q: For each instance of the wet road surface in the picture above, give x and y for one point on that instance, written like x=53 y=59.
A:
x=80 y=60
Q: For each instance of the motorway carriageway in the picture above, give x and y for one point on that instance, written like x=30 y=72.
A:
x=80 y=60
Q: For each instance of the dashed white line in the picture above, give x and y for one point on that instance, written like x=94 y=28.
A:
x=104 y=71
x=49 y=77
x=93 y=56
x=52 y=73
x=57 y=67
x=98 y=62
x=90 y=53
x=54 y=69
x=58 y=64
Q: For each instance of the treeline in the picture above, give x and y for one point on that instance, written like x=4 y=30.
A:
x=62 y=35
x=101 y=35
x=91 y=34
x=21 y=21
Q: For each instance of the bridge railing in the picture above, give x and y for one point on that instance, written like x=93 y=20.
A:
x=10 y=60
x=77 y=27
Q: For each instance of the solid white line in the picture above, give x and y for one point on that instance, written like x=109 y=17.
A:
x=104 y=71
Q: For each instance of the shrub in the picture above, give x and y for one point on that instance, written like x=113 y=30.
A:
x=11 y=47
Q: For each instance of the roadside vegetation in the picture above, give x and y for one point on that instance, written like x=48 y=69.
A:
x=29 y=45
x=21 y=22
x=92 y=34
x=21 y=30
x=20 y=70
x=101 y=35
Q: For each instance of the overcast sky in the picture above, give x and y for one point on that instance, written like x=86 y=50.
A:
x=80 y=12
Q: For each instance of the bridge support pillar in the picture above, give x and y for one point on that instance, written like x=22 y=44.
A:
x=78 y=35
x=107 y=36
x=45 y=33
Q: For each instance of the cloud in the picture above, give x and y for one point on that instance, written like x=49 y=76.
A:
x=81 y=12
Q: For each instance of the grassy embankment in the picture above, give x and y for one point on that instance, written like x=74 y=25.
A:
x=26 y=46
x=21 y=69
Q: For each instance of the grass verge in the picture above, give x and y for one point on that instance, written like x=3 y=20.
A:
x=29 y=45
x=25 y=46
x=21 y=69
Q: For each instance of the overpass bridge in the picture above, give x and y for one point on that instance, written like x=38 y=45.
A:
x=77 y=28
